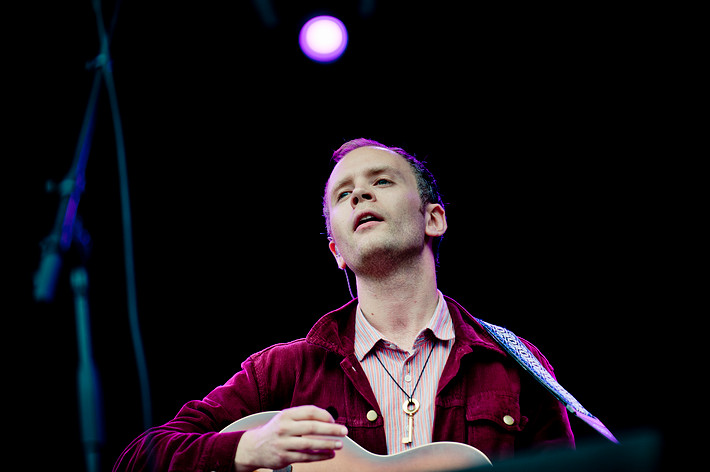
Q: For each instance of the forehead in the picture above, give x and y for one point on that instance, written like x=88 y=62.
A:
x=369 y=160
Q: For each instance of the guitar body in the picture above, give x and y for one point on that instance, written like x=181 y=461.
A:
x=438 y=456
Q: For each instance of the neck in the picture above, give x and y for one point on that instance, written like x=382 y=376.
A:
x=400 y=303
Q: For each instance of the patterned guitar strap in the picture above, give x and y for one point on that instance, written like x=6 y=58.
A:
x=519 y=351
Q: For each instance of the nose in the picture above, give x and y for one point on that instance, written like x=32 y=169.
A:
x=360 y=195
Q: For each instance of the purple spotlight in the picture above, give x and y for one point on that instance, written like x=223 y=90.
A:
x=323 y=38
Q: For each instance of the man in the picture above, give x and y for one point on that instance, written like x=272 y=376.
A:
x=398 y=367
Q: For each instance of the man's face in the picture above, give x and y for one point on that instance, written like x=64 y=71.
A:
x=376 y=212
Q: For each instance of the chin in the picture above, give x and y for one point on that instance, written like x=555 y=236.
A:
x=383 y=256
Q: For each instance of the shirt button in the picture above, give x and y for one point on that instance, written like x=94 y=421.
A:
x=509 y=420
x=372 y=415
x=407 y=378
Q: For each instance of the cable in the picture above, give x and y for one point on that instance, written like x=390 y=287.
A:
x=133 y=320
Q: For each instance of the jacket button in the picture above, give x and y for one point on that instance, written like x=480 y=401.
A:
x=372 y=415
x=509 y=420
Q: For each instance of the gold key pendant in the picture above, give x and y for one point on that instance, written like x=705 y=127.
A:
x=410 y=407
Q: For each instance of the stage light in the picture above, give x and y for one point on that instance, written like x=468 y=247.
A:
x=323 y=38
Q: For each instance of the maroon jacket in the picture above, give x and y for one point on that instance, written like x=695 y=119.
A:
x=479 y=386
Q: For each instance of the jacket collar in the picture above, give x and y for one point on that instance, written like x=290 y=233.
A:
x=335 y=331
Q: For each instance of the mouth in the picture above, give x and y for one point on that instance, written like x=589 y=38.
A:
x=366 y=219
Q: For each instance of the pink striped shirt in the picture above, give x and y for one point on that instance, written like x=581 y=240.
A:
x=405 y=367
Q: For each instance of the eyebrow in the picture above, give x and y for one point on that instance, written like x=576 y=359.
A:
x=371 y=172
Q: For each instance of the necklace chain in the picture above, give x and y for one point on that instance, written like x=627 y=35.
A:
x=409 y=397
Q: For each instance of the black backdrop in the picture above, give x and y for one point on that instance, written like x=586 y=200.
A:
x=540 y=125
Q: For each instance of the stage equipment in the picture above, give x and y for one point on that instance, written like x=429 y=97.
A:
x=68 y=232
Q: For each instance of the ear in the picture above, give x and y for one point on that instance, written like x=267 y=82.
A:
x=435 y=220
x=338 y=258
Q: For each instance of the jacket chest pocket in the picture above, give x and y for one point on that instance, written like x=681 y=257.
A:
x=493 y=422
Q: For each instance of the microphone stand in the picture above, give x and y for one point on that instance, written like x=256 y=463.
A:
x=87 y=378
x=67 y=229
x=70 y=189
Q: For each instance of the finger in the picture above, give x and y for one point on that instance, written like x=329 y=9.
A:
x=309 y=456
x=309 y=419
x=317 y=428
x=316 y=445
x=308 y=412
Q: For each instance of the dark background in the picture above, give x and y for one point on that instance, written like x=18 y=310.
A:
x=542 y=124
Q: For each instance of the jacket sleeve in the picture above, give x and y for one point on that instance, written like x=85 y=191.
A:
x=548 y=425
x=191 y=441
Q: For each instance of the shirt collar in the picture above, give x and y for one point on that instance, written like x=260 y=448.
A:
x=366 y=336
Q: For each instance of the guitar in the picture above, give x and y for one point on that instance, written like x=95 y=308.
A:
x=438 y=456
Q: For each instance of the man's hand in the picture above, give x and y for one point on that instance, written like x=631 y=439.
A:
x=300 y=434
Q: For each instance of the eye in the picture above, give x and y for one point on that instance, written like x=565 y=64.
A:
x=383 y=182
x=342 y=195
